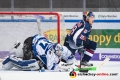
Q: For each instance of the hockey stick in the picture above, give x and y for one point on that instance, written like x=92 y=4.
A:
x=82 y=69
x=52 y=71
x=81 y=53
x=1 y=60
x=48 y=71
x=95 y=68
x=103 y=63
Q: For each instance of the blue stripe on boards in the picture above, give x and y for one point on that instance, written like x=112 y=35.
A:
x=67 y=21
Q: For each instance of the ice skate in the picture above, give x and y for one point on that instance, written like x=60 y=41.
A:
x=85 y=63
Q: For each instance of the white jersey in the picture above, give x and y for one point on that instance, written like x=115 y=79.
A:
x=42 y=50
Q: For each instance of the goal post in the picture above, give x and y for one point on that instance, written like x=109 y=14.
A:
x=20 y=25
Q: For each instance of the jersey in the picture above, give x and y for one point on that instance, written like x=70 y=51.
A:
x=79 y=32
x=42 y=50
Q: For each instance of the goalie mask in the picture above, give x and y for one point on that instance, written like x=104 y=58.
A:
x=57 y=48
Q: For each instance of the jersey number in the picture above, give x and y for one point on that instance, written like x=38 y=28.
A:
x=73 y=30
x=45 y=44
x=75 y=27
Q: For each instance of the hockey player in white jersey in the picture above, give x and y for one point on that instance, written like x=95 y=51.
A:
x=38 y=52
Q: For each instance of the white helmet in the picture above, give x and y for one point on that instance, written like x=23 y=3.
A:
x=57 y=48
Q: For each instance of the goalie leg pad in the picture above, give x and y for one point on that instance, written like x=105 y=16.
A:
x=7 y=64
x=25 y=65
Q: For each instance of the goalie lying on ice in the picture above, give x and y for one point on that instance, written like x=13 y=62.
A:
x=37 y=53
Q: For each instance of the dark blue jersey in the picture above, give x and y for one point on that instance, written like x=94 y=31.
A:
x=80 y=32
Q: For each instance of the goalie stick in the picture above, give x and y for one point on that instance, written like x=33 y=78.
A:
x=53 y=71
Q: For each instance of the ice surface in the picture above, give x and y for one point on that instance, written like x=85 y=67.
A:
x=110 y=67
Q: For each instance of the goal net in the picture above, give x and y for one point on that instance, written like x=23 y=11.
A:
x=17 y=26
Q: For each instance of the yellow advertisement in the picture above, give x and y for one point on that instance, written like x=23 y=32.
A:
x=108 y=38
x=52 y=35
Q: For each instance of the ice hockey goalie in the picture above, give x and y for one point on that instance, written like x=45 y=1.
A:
x=38 y=53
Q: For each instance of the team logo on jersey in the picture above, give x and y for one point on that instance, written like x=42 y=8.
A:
x=72 y=74
x=85 y=31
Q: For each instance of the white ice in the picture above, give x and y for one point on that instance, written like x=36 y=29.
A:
x=109 y=67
